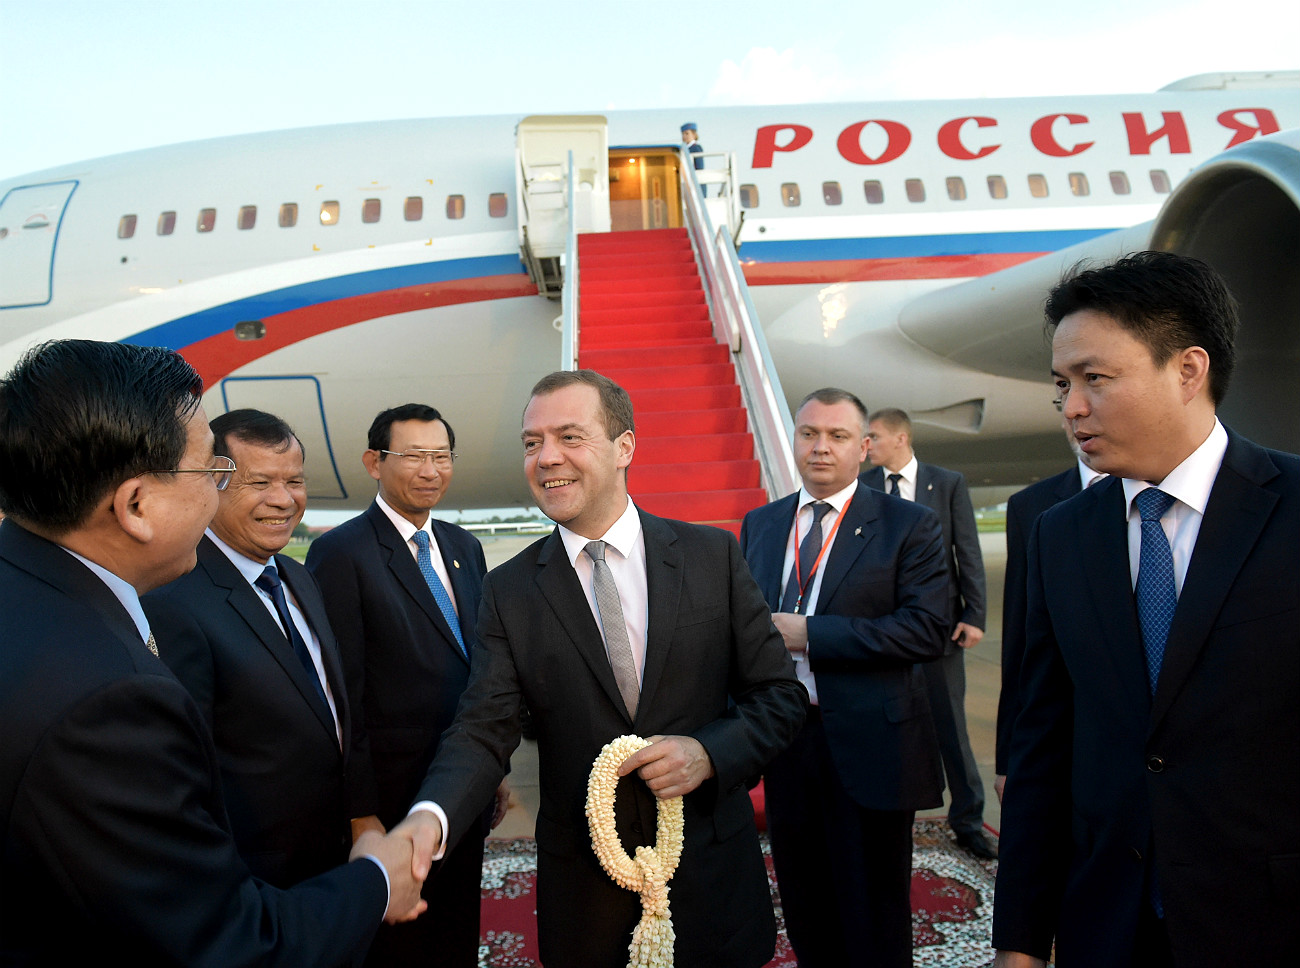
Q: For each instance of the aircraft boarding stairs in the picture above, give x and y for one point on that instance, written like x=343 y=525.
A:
x=665 y=313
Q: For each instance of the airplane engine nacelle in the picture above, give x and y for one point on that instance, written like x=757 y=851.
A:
x=1240 y=212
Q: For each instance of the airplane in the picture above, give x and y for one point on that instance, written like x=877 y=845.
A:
x=901 y=250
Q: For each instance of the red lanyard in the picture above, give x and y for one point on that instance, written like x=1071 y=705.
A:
x=826 y=543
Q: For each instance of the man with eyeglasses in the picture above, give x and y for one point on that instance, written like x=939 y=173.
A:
x=247 y=635
x=113 y=820
x=402 y=592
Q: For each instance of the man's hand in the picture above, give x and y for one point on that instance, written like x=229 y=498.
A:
x=394 y=852
x=967 y=635
x=502 y=803
x=999 y=784
x=794 y=629
x=672 y=766
x=423 y=829
x=1017 y=959
x=361 y=824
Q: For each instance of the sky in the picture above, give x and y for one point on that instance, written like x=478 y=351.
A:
x=84 y=79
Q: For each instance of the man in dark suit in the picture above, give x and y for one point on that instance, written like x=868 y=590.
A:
x=113 y=828
x=273 y=696
x=1023 y=510
x=407 y=639
x=1153 y=787
x=944 y=492
x=858 y=588
x=701 y=673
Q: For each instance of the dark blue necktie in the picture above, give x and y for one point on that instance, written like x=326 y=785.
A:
x=892 y=486
x=1156 y=595
x=425 y=561
x=808 y=550
x=269 y=582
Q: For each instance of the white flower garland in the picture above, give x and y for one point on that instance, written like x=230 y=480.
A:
x=653 y=868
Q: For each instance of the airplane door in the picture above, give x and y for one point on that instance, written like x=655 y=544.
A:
x=30 y=218
x=643 y=189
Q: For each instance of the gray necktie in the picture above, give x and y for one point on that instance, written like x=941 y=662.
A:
x=614 y=627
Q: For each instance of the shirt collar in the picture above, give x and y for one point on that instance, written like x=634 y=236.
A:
x=1087 y=475
x=122 y=590
x=836 y=500
x=250 y=569
x=404 y=527
x=622 y=535
x=1191 y=481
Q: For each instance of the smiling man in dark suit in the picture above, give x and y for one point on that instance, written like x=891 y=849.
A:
x=272 y=694
x=113 y=828
x=1150 y=810
x=402 y=592
x=857 y=586
x=701 y=673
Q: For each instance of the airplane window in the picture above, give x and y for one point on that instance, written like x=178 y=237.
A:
x=414 y=210
x=874 y=191
x=455 y=206
x=1038 y=186
x=126 y=227
x=749 y=196
x=288 y=215
x=1078 y=183
x=1119 y=183
x=956 y=189
x=370 y=210
x=497 y=205
x=997 y=186
x=915 y=189
x=831 y=193
x=790 y=195
x=247 y=217
x=1160 y=181
x=166 y=223
x=329 y=213
x=207 y=220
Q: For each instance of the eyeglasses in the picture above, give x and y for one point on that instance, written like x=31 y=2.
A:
x=442 y=459
x=1059 y=404
x=221 y=474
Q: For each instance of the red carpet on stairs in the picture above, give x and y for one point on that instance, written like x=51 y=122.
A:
x=644 y=323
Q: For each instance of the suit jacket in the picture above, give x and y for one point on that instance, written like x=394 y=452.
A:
x=405 y=672
x=113 y=831
x=1023 y=510
x=882 y=607
x=282 y=768
x=715 y=669
x=1202 y=781
x=944 y=492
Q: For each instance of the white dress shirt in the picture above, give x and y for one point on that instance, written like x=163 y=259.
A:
x=1189 y=484
x=802 y=522
x=1087 y=476
x=407 y=530
x=907 y=485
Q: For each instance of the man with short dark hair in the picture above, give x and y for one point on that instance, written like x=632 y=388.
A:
x=402 y=592
x=621 y=622
x=857 y=587
x=113 y=825
x=246 y=634
x=1150 y=809
x=895 y=470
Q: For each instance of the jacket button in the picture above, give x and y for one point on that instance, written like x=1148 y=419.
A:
x=1155 y=764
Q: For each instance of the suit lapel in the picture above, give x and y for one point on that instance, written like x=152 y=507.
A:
x=767 y=544
x=310 y=604
x=664 y=572
x=925 y=494
x=559 y=585
x=856 y=531
x=1235 y=515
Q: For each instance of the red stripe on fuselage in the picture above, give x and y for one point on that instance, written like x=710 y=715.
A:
x=879 y=270
x=220 y=355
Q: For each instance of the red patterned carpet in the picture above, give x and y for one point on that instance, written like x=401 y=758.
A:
x=952 y=904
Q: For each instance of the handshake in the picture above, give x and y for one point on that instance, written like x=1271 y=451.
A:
x=406 y=853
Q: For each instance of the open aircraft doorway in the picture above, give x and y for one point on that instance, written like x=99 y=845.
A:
x=643 y=192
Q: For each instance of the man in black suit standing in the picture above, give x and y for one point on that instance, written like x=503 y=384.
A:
x=896 y=470
x=700 y=672
x=246 y=634
x=113 y=827
x=857 y=586
x=402 y=592
x=1153 y=788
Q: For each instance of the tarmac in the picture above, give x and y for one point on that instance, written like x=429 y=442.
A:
x=983 y=682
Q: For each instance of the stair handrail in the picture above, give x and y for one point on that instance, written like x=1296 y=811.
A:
x=569 y=293
x=735 y=322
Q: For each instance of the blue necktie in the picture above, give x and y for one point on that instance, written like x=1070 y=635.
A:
x=269 y=582
x=801 y=581
x=1156 y=595
x=425 y=561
